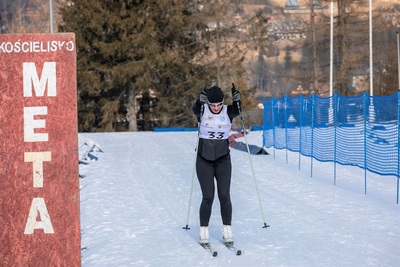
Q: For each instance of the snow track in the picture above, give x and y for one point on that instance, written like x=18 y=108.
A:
x=134 y=202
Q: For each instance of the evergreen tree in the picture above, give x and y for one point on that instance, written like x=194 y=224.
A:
x=128 y=48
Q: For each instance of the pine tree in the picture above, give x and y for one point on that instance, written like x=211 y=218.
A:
x=132 y=47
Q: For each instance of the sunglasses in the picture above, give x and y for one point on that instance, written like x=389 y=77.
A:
x=216 y=104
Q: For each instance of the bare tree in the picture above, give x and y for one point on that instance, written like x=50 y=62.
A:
x=24 y=16
x=350 y=44
x=226 y=49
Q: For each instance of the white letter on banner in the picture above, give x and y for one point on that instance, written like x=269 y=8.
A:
x=48 y=77
x=37 y=159
x=38 y=207
x=30 y=124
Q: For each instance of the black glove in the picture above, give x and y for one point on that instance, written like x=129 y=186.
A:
x=235 y=93
x=203 y=96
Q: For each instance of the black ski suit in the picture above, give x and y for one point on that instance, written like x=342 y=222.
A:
x=213 y=160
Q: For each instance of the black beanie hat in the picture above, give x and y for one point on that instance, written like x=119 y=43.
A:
x=215 y=95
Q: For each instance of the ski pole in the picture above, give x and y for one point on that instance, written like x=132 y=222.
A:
x=193 y=173
x=251 y=164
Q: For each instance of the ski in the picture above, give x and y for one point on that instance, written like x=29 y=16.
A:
x=208 y=247
x=232 y=248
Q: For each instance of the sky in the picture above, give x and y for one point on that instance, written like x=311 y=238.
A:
x=135 y=195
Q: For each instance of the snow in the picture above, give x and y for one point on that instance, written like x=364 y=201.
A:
x=135 y=192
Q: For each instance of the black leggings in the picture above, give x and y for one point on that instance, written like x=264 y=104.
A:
x=221 y=169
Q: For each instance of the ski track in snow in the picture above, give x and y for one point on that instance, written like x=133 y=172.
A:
x=134 y=204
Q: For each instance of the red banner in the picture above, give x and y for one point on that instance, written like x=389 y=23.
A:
x=39 y=178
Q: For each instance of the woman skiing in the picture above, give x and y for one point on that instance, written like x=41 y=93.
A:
x=213 y=156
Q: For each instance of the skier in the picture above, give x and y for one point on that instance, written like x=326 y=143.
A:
x=213 y=156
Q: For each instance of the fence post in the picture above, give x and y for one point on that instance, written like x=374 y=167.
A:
x=365 y=142
x=301 y=128
x=264 y=128
x=273 y=123
x=398 y=144
x=286 y=128
x=312 y=132
x=335 y=122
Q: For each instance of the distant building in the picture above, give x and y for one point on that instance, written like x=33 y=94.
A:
x=300 y=91
x=292 y=4
x=302 y=4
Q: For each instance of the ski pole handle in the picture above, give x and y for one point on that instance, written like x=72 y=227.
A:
x=240 y=110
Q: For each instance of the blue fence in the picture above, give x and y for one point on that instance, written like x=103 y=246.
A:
x=361 y=131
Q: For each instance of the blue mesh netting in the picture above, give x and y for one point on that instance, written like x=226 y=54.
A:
x=361 y=130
